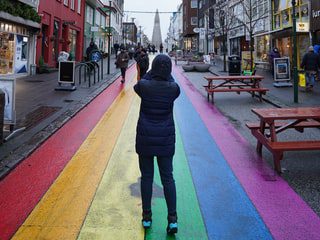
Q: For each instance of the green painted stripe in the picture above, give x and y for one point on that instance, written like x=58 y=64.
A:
x=190 y=222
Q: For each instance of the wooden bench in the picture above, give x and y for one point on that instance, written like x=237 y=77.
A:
x=277 y=120
x=299 y=127
x=277 y=148
x=228 y=88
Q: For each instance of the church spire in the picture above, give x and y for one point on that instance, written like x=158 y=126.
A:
x=156 y=35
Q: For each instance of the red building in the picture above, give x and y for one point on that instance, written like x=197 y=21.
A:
x=61 y=30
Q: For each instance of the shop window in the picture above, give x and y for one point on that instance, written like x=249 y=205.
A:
x=65 y=2
x=6 y=53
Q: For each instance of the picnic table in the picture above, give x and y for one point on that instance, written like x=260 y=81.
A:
x=277 y=120
x=249 y=83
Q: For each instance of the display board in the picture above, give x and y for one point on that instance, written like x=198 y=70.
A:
x=281 y=69
x=66 y=72
x=7 y=85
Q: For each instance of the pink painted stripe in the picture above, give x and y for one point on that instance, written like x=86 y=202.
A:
x=23 y=188
x=283 y=211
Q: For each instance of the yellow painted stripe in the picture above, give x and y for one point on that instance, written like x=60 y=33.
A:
x=61 y=212
x=115 y=212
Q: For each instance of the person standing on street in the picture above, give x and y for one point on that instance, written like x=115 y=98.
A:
x=122 y=63
x=161 y=48
x=116 y=47
x=143 y=62
x=273 y=54
x=310 y=63
x=156 y=137
x=90 y=49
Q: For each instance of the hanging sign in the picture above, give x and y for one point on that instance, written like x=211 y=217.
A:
x=303 y=27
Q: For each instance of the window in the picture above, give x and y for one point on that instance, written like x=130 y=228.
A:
x=98 y=18
x=194 y=21
x=65 y=2
x=79 y=7
x=72 y=4
x=103 y=22
x=194 y=3
x=89 y=15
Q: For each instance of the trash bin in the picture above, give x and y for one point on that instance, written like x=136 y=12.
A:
x=2 y=104
x=234 y=65
x=33 y=69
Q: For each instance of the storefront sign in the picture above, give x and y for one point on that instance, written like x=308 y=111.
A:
x=94 y=29
x=69 y=22
x=282 y=69
x=66 y=72
x=315 y=15
x=303 y=27
x=8 y=87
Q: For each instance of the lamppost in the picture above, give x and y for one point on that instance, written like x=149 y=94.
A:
x=222 y=25
x=294 y=60
x=109 y=42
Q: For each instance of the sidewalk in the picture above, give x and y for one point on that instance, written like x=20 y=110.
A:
x=280 y=96
x=42 y=111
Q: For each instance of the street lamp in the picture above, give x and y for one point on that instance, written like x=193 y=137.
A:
x=109 y=33
x=222 y=25
x=294 y=60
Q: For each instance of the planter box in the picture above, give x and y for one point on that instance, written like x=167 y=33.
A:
x=188 y=68
x=202 y=67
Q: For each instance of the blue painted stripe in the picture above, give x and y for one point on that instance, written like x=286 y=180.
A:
x=227 y=211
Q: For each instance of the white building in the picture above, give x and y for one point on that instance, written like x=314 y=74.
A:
x=174 y=36
x=18 y=36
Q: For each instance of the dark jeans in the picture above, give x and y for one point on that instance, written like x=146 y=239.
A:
x=123 y=72
x=146 y=164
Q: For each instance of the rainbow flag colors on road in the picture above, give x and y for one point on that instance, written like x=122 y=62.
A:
x=83 y=182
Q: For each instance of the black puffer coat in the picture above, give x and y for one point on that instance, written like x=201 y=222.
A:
x=155 y=129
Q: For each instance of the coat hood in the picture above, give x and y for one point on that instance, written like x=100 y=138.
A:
x=161 y=68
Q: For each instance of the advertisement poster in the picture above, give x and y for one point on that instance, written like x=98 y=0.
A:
x=282 y=69
x=246 y=60
x=8 y=87
x=21 y=54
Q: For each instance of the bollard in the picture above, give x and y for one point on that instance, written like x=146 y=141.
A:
x=2 y=104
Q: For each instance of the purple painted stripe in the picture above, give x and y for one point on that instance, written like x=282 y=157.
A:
x=283 y=211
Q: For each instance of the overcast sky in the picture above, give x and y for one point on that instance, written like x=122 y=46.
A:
x=146 y=20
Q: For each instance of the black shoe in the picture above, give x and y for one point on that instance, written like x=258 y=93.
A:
x=122 y=81
x=146 y=219
x=172 y=227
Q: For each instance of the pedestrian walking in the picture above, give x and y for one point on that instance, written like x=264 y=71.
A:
x=116 y=47
x=161 y=48
x=136 y=57
x=143 y=62
x=156 y=137
x=310 y=63
x=122 y=63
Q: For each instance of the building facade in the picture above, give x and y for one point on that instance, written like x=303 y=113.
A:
x=18 y=33
x=190 y=21
x=130 y=31
x=62 y=23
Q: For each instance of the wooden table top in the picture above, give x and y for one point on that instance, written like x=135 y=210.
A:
x=233 y=77
x=287 y=113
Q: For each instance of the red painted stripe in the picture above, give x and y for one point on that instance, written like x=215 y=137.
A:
x=23 y=188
